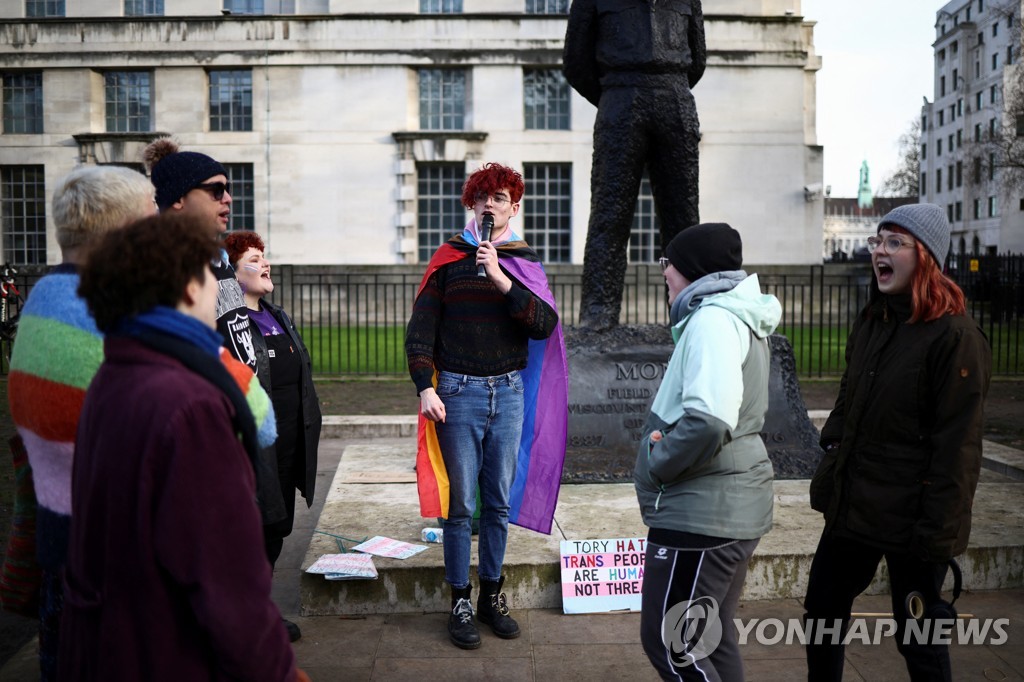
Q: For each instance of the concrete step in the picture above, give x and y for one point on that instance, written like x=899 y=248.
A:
x=374 y=493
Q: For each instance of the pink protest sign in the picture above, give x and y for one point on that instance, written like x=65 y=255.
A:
x=599 y=576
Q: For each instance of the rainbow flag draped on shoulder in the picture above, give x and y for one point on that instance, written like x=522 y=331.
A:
x=534 y=491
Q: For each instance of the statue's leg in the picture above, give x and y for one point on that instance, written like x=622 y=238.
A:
x=674 y=162
x=620 y=151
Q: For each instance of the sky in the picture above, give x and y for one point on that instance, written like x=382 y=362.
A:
x=877 y=64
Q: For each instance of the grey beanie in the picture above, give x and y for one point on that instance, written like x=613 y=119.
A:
x=928 y=224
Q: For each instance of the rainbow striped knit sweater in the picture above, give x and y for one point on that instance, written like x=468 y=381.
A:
x=57 y=352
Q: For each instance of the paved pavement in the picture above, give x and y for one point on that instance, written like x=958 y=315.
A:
x=581 y=647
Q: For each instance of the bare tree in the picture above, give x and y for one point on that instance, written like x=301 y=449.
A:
x=903 y=182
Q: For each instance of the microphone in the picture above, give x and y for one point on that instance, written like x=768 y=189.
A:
x=486 y=226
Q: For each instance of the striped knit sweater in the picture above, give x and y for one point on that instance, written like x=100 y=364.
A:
x=57 y=352
x=461 y=323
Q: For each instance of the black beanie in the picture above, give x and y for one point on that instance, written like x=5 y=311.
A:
x=706 y=248
x=175 y=173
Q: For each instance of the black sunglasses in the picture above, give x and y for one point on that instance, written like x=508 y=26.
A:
x=216 y=189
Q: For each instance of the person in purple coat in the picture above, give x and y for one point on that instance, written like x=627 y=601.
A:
x=166 y=576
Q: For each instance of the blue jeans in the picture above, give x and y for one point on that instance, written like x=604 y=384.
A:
x=479 y=441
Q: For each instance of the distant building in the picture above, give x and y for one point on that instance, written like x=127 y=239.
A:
x=977 y=45
x=850 y=221
x=348 y=126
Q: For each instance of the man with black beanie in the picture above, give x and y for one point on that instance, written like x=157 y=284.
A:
x=702 y=474
x=196 y=185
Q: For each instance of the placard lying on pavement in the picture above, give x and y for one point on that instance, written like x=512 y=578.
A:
x=602 y=575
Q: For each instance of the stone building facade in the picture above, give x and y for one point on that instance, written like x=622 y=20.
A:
x=348 y=125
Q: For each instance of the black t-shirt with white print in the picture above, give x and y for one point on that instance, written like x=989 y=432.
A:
x=232 y=316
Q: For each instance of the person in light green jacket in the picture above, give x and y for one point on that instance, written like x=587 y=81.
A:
x=703 y=478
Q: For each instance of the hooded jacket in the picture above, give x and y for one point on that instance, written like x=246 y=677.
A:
x=908 y=424
x=710 y=473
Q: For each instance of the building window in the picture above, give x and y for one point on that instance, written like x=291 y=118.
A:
x=243 y=196
x=958 y=212
x=960 y=106
x=243 y=6
x=547 y=210
x=231 y=100
x=924 y=152
x=143 y=8
x=23 y=214
x=442 y=99
x=976 y=174
x=441 y=6
x=977 y=69
x=995 y=61
x=924 y=183
x=545 y=99
x=23 y=103
x=993 y=208
x=981 y=6
x=439 y=205
x=128 y=101
x=949 y=212
x=995 y=29
x=977 y=100
x=952 y=113
x=1020 y=125
x=950 y=146
x=942 y=86
x=938 y=180
x=949 y=178
x=924 y=123
x=959 y=173
x=1009 y=55
x=547 y=6
x=942 y=117
x=938 y=147
x=977 y=132
x=992 y=95
x=956 y=79
x=991 y=127
x=959 y=138
x=977 y=209
x=645 y=234
x=44 y=8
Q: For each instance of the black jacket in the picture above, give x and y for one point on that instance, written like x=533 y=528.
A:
x=311 y=417
x=908 y=421
x=607 y=41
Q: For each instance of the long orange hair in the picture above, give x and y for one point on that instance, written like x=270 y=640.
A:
x=933 y=294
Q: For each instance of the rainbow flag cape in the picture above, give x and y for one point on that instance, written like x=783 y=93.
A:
x=534 y=491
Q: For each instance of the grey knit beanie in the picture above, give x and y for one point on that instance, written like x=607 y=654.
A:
x=927 y=223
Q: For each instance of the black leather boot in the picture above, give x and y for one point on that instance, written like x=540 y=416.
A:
x=492 y=610
x=461 y=628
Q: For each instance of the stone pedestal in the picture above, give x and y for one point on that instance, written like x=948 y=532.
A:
x=613 y=378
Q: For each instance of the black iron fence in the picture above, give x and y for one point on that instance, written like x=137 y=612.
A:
x=353 y=317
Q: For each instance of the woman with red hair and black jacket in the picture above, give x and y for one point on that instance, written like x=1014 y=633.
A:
x=902 y=445
x=285 y=371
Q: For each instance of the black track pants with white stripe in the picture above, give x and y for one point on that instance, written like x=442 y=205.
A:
x=680 y=580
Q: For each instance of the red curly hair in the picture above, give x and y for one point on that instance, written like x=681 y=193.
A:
x=492 y=178
x=237 y=243
x=932 y=294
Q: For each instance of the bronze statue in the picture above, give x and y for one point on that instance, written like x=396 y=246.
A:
x=636 y=61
